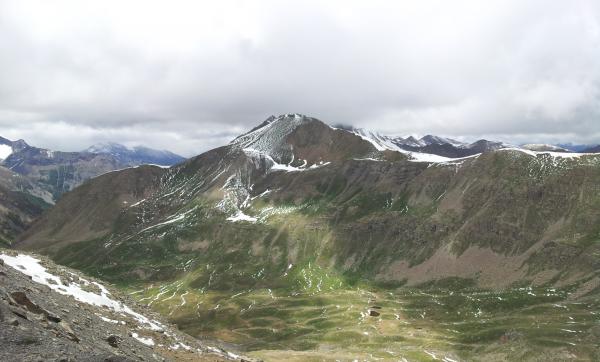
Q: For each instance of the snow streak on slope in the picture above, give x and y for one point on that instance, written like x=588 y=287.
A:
x=31 y=266
x=258 y=157
x=550 y=153
x=379 y=141
x=270 y=138
x=240 y=216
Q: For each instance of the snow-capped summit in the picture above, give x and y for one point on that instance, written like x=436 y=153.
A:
x=411 y=141
x=270 y=136
x=437 y=140
x=108 y=147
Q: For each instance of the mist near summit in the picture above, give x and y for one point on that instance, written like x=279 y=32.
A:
x=189 y=76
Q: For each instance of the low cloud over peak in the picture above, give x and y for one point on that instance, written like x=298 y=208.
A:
x=188 y=76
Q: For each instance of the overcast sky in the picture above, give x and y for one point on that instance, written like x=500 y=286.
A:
x=190 y=75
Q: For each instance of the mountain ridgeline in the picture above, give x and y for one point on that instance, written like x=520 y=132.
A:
x=372 y=213
x=296 y=206
x=32 y=178
x=58 y=172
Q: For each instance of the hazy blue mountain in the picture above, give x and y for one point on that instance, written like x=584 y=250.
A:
x=137 y=154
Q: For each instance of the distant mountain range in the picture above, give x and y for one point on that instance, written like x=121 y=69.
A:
x=33 y=178
x=138 y=155
x=61 y=171
x=594 y=149
x=450 y=148
x=435 y=145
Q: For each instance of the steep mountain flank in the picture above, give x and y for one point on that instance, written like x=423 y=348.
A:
x=95 y=207
x=21 y=201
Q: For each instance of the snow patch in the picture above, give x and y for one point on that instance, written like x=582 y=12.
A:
x=550 y=153
x=31 y=266
x=137 y=203
x=171 y=220
x=273 y=165
x=240 y=216
x=5 y=151
x=146 y=341
x=108 y=320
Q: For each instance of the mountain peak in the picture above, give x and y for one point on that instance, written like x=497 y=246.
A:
x=271 y=133
x=106 y=147
x=295 y=138
x=283 y=118
x=8 y=147
x=135 y=155
x=437 y=140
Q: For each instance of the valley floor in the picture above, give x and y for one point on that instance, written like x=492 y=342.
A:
x=429 y=324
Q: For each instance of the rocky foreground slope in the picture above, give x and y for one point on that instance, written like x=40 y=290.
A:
x=50 y=313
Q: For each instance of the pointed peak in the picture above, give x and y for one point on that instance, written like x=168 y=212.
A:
x=20 y=144
x=271 y=131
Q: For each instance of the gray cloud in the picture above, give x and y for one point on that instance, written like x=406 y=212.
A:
x=188 y=76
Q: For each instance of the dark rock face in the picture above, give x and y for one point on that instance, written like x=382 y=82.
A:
x=21 y=201
x=374 y=313
x=20 y=298
x=113 y=340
